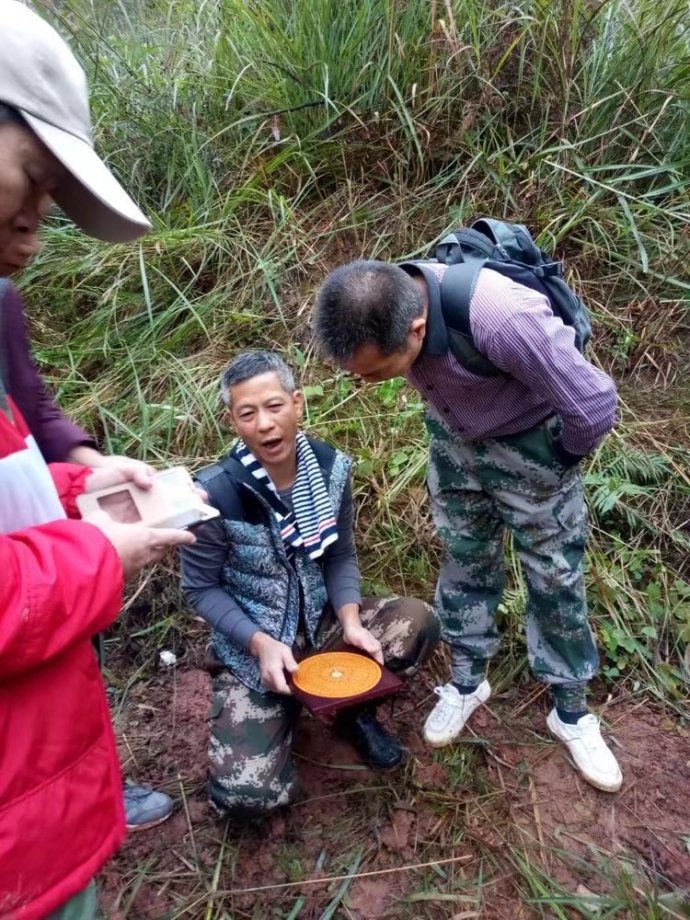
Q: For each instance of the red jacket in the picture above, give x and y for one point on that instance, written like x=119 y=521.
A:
x=61 y=812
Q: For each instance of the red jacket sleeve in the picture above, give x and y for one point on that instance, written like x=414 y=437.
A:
x=60 y=583
x=69 y=479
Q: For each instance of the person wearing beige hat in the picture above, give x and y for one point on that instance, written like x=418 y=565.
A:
x=61 y=578
x=43 y=82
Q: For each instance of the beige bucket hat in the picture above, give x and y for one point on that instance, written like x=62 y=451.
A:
x=41 y=78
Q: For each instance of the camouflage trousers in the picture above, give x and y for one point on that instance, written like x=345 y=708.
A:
x=477 y=490
x=250 y=749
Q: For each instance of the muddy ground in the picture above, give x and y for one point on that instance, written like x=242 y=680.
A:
x=496 y=827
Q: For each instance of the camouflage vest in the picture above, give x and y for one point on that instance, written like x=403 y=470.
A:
x=270 y=588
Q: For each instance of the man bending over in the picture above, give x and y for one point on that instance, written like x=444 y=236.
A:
x=277 y=576
x=505 y=451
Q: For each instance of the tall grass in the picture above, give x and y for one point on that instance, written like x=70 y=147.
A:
x=271 y=140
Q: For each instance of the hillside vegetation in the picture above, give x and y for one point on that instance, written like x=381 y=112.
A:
x=271 y=140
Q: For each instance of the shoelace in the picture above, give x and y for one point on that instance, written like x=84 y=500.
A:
x=447 y=703
x=589 y=721
x=589 y=729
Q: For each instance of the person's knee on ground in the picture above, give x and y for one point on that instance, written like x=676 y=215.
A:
x=251 y=768
x=229 y=796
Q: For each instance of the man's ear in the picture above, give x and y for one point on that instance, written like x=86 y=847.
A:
x=418 y=328
x=298 y=399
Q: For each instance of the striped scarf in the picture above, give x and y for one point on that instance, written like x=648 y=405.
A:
x=311 y=524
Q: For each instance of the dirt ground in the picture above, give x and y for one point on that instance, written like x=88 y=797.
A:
x=498 y=826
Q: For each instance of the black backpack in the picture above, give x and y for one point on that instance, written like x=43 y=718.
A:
x=509 y=250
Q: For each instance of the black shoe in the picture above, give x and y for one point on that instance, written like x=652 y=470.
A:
x=377 y=747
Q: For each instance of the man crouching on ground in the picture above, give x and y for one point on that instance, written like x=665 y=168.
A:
x=275 y=576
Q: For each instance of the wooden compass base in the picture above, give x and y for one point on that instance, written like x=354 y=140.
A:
x=388 y=684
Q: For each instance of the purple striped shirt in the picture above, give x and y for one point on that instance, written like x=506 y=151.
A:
x=516 y=329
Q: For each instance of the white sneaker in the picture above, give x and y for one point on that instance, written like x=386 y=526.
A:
x=448 y=717
x=592 y=756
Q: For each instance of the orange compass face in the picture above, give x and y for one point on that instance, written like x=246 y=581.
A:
x=337 y=674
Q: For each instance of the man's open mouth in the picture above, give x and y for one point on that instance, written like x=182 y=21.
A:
x=272 y=444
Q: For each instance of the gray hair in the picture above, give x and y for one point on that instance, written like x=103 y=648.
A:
x=365 y=303
x=250 y=364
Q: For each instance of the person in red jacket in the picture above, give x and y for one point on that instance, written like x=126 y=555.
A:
x=61 y=440
x=61 y=579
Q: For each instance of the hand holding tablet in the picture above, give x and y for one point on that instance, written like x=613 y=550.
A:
x=172 y=501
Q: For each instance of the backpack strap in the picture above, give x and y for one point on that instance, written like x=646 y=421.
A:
x=215 y=479
x=219 y=481
x=457 y=288
x=476 y=244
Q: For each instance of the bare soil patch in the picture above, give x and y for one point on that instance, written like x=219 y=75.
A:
x=492 y=814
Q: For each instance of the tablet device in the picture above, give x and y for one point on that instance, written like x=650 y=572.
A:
x=172 y=501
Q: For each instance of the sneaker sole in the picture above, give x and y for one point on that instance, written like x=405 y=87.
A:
x=435 y=745
x=602 y=787
x=135 y=828
x=441 y=744
x=597 y=784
